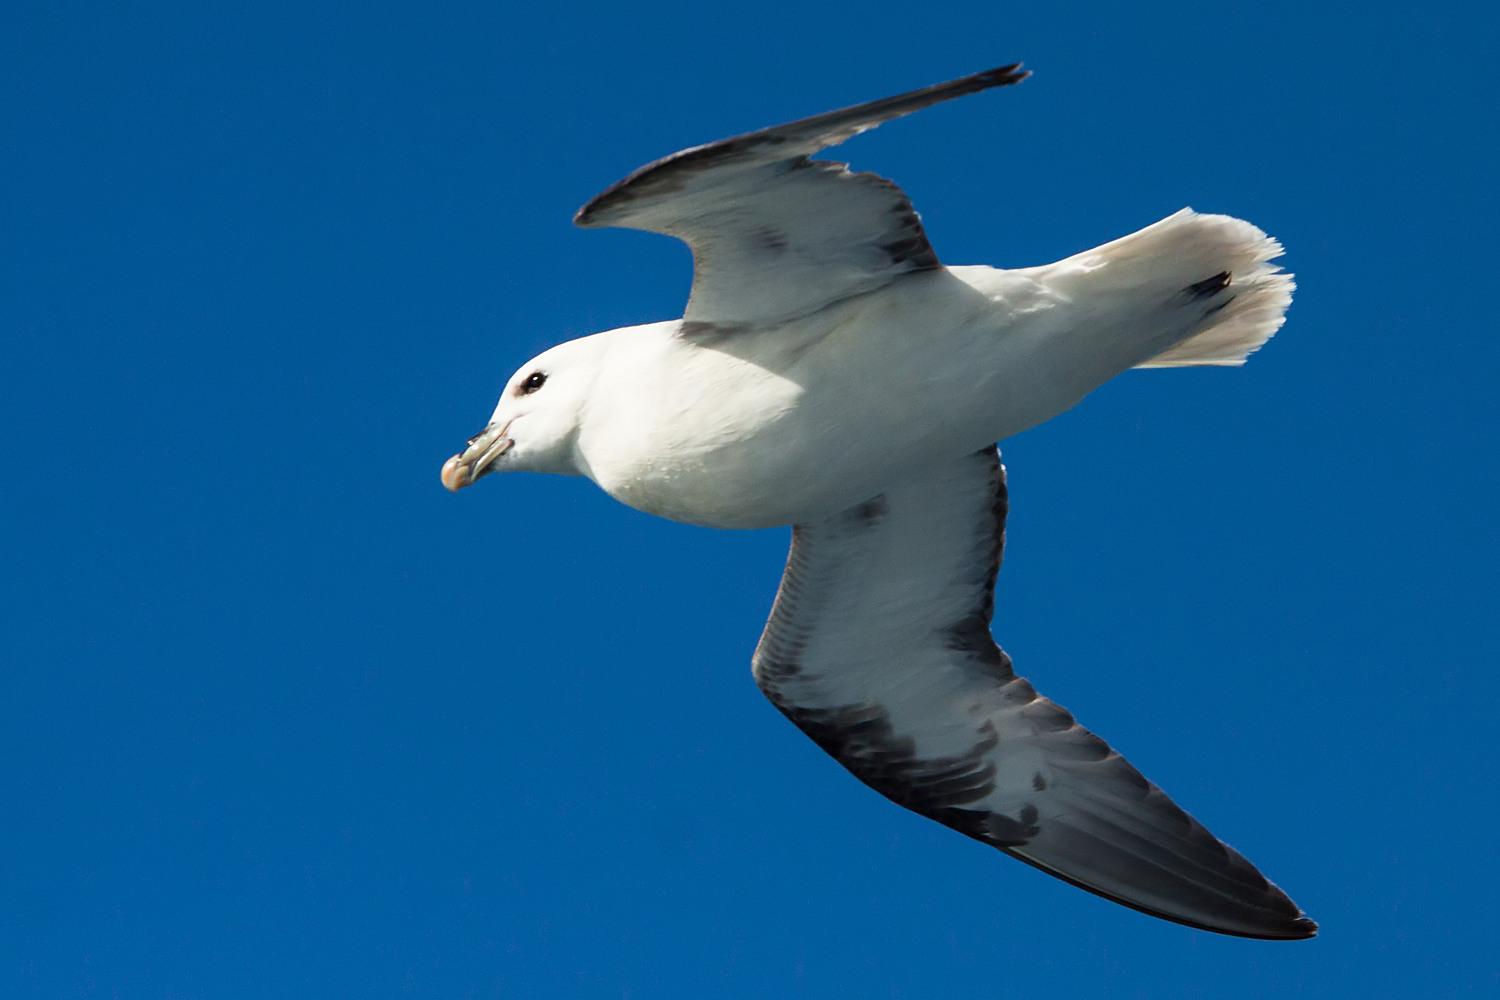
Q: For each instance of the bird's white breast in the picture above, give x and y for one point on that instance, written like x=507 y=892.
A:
x=754 y=429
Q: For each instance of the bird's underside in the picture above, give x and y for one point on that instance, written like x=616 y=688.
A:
x=879 y=649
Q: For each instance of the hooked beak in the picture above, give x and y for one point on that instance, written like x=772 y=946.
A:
x=465 y=468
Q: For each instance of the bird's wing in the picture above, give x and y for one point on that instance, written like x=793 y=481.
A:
x=879 y=648
x=774 y=234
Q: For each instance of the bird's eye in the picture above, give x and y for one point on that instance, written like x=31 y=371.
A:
x=533 y=382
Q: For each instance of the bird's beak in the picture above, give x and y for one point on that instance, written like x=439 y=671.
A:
x=478 y=458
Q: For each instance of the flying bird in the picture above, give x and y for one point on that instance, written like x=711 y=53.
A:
x=829 y=373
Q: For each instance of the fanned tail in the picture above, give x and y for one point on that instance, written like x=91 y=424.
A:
x=1222 y=261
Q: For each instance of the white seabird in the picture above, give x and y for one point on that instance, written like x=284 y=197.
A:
x=829 y=373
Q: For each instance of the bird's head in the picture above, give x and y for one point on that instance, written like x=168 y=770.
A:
x=535 y=425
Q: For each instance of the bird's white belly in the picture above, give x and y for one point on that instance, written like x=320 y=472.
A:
x=723 y=446
x=824 y=415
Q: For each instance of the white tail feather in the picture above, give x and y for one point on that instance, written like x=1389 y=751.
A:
x=1189 y=246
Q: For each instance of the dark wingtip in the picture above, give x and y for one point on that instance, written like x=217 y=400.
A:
x=1278 y=925
x=878 y=111
x=1000 y=76
x=1303 y=928
x=1004 y=75
x=1299 y=929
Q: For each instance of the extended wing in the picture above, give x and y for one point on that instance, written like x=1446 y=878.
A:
x=879 y=648
x=774 y=234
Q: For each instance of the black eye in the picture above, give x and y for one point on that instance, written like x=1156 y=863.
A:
x=533 y=382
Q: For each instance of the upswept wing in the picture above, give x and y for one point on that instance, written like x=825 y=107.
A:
x=879 y=648
x=774 y=234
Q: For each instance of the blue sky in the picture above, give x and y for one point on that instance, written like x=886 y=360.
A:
x=282 y=717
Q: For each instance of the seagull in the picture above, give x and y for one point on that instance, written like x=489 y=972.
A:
x=829 y=373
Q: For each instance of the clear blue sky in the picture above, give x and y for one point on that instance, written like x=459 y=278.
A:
x=281 y=717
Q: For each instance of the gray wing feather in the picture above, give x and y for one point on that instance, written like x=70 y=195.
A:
x=774 y=234
x=879 y=649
